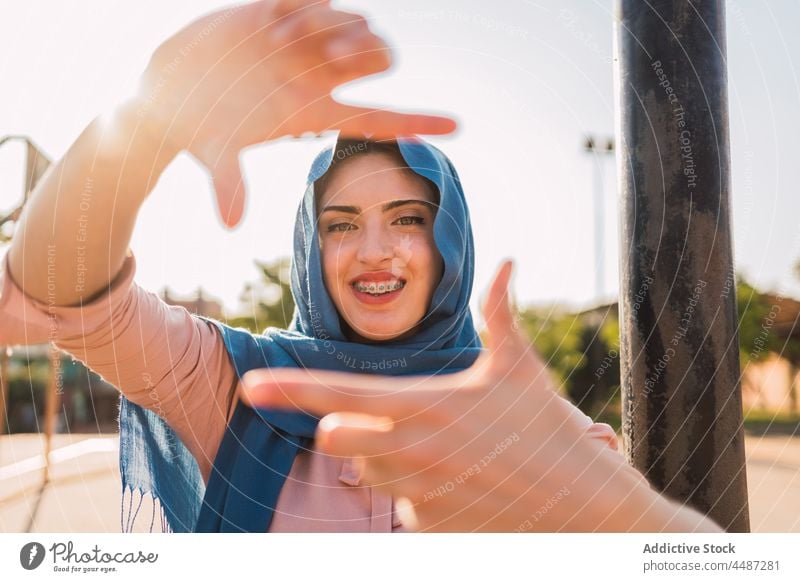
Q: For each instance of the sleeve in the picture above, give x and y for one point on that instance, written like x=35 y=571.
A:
x=159 y=356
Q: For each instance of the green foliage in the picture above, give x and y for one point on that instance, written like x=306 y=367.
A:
x=28 y=383
x=558 y=337
x=609 y=333
x=585 y=360
x=582 y=350
x=756 y=337
x=269 y=301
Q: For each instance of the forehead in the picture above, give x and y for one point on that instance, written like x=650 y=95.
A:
x=370 y=179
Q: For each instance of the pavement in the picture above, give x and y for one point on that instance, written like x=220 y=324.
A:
x=83 y=493
x=773 y=483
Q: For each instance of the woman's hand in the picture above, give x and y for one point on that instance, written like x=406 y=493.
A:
x=259 y=71
x=490 y=448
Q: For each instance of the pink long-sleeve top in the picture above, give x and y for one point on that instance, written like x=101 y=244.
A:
x=165 y=359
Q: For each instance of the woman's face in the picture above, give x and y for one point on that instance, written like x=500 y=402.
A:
x=379 y=259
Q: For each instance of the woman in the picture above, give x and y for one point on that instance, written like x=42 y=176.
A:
x=381 y=277
x=375 y=219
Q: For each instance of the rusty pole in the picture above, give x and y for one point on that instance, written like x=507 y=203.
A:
x=682 y=406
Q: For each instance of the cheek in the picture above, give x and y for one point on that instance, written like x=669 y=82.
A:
x=428 y=262
x=335 y=257
x=328 y=270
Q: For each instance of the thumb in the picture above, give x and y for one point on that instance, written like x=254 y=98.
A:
x=507 y=345
x=496 y=308
x=226 y=177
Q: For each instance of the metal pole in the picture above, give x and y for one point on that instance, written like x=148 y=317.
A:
x=51 y=405
x=682 y=406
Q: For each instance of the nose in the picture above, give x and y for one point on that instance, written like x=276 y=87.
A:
x=376 y=246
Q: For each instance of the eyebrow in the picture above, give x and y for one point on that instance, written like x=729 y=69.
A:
x=386 y=207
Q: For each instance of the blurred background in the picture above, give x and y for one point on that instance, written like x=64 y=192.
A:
x=531 y=84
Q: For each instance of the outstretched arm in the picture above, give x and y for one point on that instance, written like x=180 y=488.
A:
x=234 y=78
x=492 y=448
x=160 y=356
x=237 y=77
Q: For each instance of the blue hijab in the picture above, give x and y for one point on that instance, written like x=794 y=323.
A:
x=260 y=445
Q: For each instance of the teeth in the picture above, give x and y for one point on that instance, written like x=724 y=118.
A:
x=379 y=288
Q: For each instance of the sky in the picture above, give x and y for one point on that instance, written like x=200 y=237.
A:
x=527 y=81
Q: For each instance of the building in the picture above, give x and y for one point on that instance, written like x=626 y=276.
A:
x=200 y=305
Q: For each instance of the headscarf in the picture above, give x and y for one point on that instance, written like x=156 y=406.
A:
x=260 y=445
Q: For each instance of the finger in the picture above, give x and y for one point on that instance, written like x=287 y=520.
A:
x=330 y=48
x=265 y=13
x=353 y=434
x=383 y=441
x=383 y=124
x=228 y=183
x=314 y=27
x=322 y=392
x=325 y=115
x=496 y=307
x=509 y=349
x=284 y=7
x=356 y=52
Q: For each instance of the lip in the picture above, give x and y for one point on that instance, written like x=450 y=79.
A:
x=375 y=277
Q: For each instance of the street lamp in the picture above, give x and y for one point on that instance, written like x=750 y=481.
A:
x=598 y=148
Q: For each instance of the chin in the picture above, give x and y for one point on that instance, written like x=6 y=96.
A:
x=381 y=333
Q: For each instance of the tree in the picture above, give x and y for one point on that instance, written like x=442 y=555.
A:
x=559 y=339
x=757 y=340
x=582 y=350
x=269 y=301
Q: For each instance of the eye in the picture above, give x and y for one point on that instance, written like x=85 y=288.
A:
x=409 y=220
x=337 y=227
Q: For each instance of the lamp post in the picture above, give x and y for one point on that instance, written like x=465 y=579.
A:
x=600 y=150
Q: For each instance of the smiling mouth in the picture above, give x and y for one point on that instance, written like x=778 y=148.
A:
x=377 y=289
